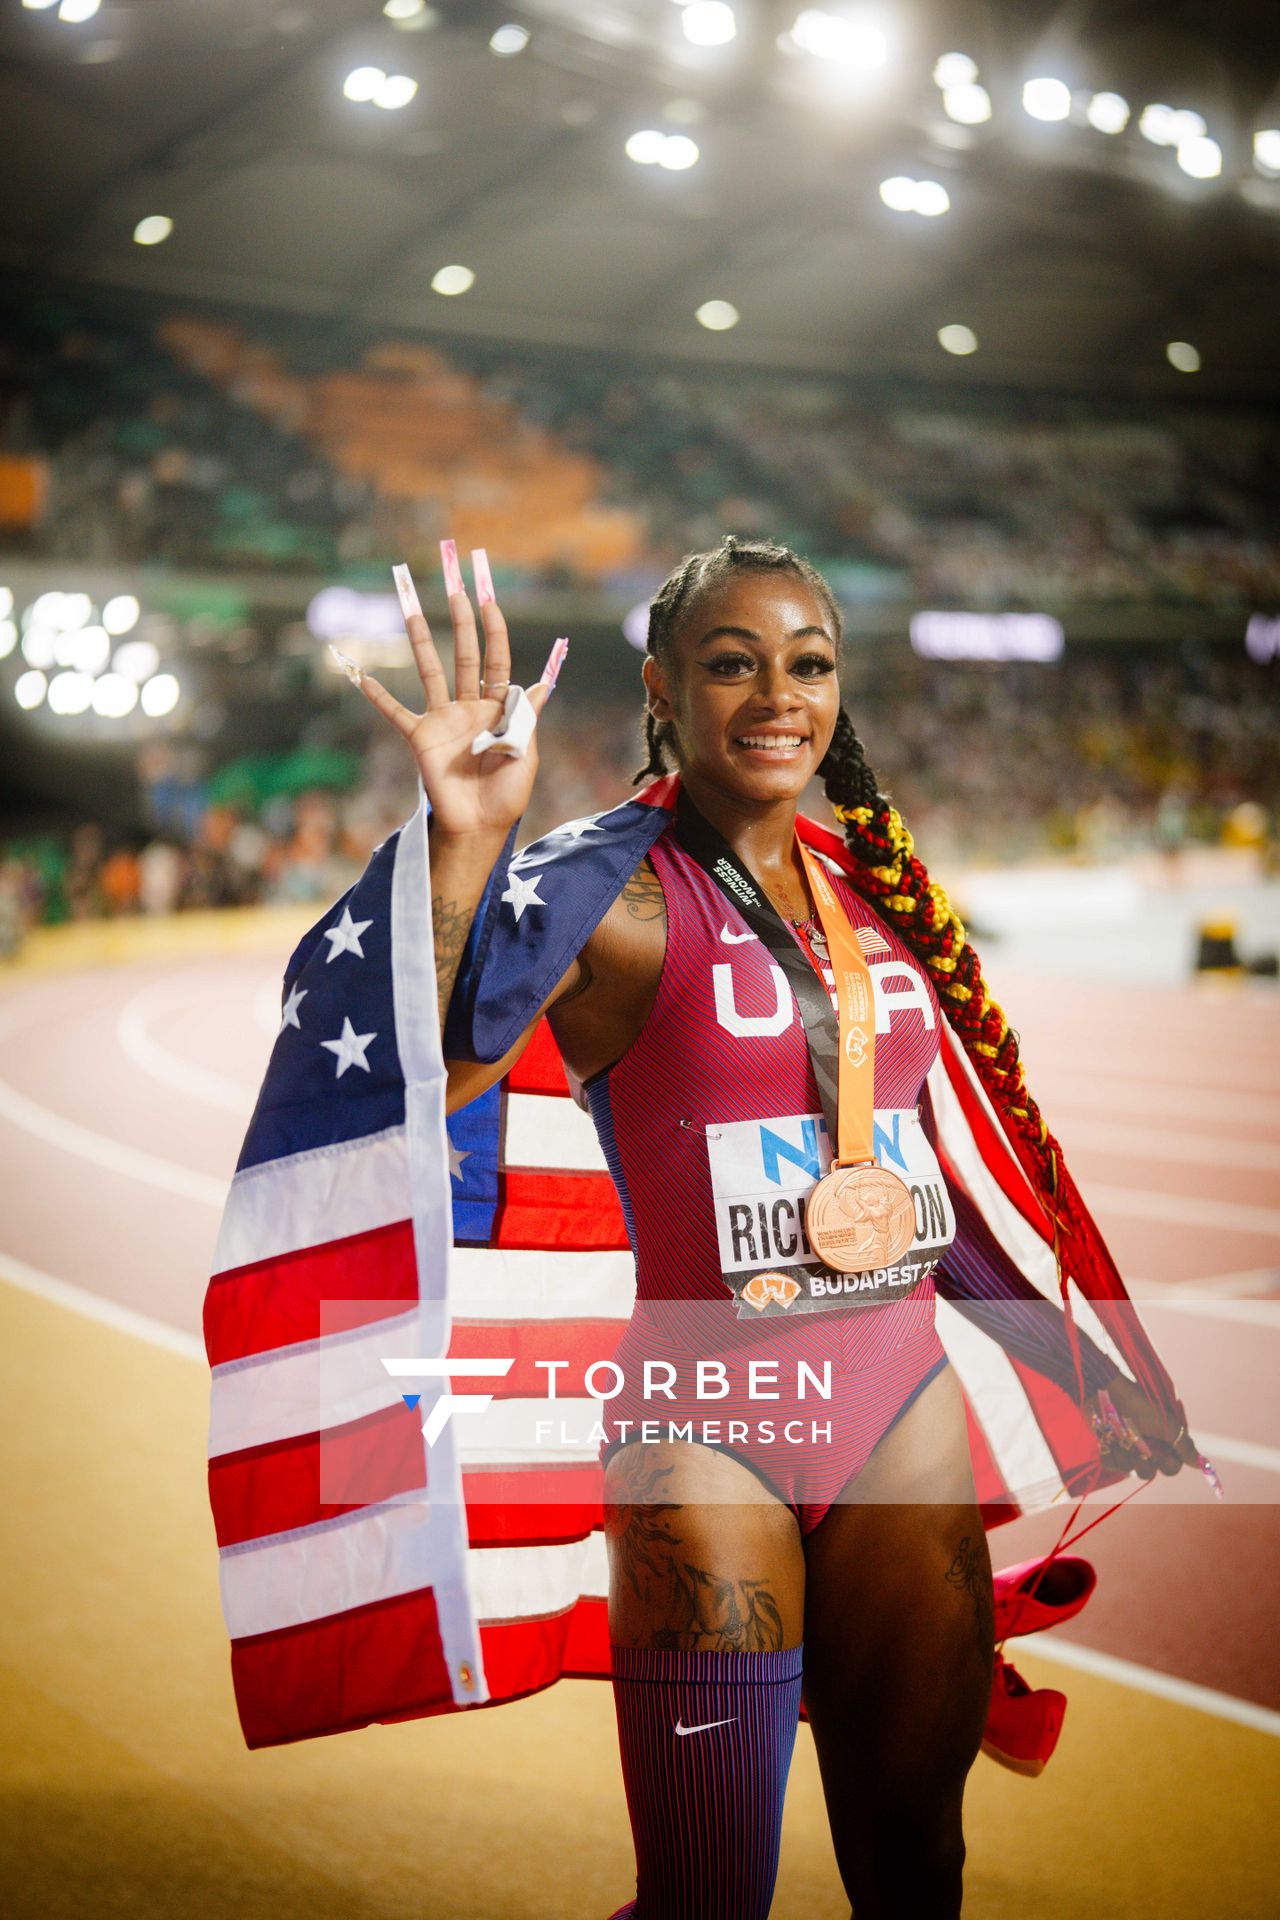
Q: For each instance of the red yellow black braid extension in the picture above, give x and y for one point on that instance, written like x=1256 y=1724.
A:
x=887 y=871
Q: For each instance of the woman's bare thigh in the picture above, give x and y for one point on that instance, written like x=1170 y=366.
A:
x=703 y=1557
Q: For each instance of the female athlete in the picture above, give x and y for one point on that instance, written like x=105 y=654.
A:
x=857 y=1570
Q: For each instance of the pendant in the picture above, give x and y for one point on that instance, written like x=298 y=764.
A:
x=860 y=1217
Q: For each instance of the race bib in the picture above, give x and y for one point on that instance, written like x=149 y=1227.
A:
x=762 y=1171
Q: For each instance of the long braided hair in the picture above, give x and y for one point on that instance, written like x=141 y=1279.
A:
x=885 y=867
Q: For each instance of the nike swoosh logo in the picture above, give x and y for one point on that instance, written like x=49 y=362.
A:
x=706 y=1725
x=734 y=939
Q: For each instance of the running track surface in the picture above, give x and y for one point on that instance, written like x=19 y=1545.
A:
x=124 y=1784
x=125 y=1090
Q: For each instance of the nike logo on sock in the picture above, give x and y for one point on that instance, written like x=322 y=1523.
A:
x=734 y=939
x=706 y=1725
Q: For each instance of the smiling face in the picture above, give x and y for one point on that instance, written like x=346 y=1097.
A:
x=749 y=686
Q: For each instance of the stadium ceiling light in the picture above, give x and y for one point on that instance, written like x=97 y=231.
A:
x=957 y=339
x=709 y=23
x=508 y=41
x=120 y=615
x=1107 y=112
x=404 y=9
x=70 y=692
x=1200 y=157
x=397 y=90
x=75 y=609
x=88 y=650
x=645 y=147
x=29 y=689
x=113 y=696
x=679 y=153
x=858 y=44
x=1182 y=355
x=137 y=660
x=363 y=82
x=153 y=229
x=6 y=602
x=717 y=316
x=39 y=645
x=969 y=103
x=38 y=6
x=452 y=280
x=1266 y=150
x=1046 y=99
x=1166 y=126
x=75 y=11
x=8 y=638
x=160 y=695
x=954 y=70
x=904 y=195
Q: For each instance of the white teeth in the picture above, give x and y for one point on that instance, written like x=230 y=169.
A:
x=770 y=740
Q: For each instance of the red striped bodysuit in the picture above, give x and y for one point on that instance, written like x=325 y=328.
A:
x=719 y=1080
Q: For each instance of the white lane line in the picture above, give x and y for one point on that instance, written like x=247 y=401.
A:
x=62 y=1293
x=1112 y=1092
x=99 y=1148
x=1182 y=1209
x=1141 y=1142
x=1166 y=1686
x=184 y=1076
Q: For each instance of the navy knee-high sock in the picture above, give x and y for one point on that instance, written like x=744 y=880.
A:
x=706 y=1742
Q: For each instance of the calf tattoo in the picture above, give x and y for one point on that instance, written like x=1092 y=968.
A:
x=971 y=1570
x=687 y=1607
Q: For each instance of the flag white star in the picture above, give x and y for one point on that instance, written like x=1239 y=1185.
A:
x=349 y=1047
x=289 y=1013
x=523 y=893
x=456 y=1158
x=346 y=935
x=576 y=828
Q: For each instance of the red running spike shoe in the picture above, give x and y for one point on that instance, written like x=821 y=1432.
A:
x=1026 y=1603
x=1023 y=1723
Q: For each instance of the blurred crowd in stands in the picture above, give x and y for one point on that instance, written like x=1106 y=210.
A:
x=207 y=446
x=1093 y=760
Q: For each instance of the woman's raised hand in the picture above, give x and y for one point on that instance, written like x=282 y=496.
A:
x=470 y=793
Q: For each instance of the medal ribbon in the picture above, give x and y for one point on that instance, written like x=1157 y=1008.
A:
x=846 y=1089
x=854 y=1143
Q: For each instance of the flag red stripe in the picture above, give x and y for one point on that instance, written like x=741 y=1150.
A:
x=539 y=1068
x=341 y=1672
x=534 y=1345
x=275 y=1302
x=570 y=1212
x=275 y=1489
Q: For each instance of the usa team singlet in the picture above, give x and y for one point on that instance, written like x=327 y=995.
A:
x=712 y=1127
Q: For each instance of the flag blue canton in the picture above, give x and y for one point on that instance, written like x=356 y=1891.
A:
x=334 y=1073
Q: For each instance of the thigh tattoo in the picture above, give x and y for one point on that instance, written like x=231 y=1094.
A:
x=971 y=1570
x=692 y=1608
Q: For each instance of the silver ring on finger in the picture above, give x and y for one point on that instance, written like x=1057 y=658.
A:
x=494 y=687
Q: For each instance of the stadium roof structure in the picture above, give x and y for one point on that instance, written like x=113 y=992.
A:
x=1075 y=255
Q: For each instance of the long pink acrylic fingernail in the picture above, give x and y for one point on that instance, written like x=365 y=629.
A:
x=407 y=591
x=452 y=571
x=485 y=595
x=555 y=660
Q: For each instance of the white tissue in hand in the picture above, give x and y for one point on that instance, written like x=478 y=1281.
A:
x=515 y=729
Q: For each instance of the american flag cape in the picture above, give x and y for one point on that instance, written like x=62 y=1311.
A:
x=366 y=1573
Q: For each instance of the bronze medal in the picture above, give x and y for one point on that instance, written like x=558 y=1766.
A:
x=860 y=1217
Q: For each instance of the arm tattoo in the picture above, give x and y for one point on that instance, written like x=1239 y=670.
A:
x=971 y=1570
x=688 y=1608
x=450 y=925
x=643 y=895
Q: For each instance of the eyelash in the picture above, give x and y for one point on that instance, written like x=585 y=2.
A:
x=722 y=660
